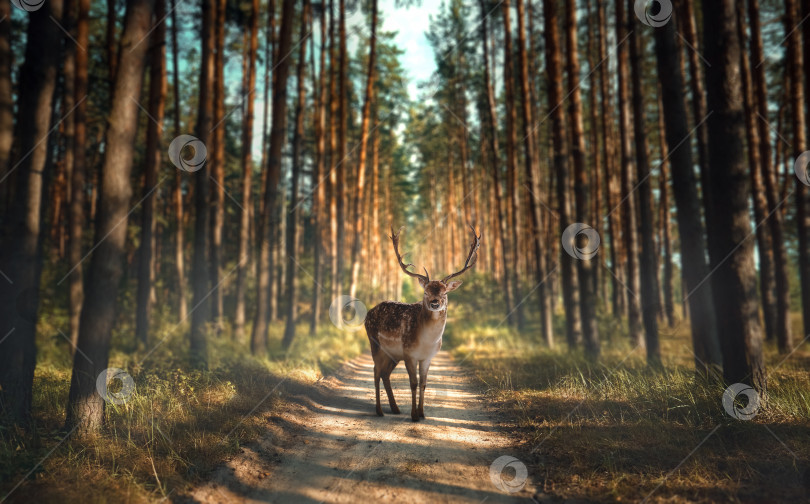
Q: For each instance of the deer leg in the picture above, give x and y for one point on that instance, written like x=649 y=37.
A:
x=386 y=379
x=377 y=387
x=410 y=365
x=423 y=372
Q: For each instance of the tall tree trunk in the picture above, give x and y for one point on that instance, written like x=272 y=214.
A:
x=793 y=57
x=112 y=58
x=77 y=181
x=291 y=243
x=6 y=105
x=805 y=14
x=699 y=107
x=596 y=154
x=201 y=309
x=573 y=326
x=361 y=162
x=85 y=407
x=533 y=180
x=585 y=267
x=706 y=346
x=608 y=150
x=649 y=274
x=21 y=263
x=270 y=218
x=247 y=177
x=630 y=231
x=492 y=136
x=775 y=219
x=511 y=165
x=340 y=164
x=334 y=158
x=664 y=223
x=154 y=131
x=730 y=251
x=177 y=191
x=218 y=165
x=319 y=208
x=767 y=280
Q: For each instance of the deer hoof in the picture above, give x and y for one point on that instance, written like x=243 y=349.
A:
x=395 y=410
x=415 y=416
x=379 y=412
x=421 y=414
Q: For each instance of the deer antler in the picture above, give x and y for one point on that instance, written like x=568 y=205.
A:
x=472 y=257
x=395 y=239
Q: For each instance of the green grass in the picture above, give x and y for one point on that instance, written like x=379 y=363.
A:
x=613 y=430
x=176 y=426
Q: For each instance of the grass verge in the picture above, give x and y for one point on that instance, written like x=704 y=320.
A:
x=175 y=427
x=618 y=431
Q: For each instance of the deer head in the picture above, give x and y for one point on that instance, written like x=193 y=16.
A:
x=435 y=292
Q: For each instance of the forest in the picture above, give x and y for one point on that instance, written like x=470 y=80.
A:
x=203 y=201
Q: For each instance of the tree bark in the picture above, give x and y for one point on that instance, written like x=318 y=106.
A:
x=573 y=326
x=767 y=279
x=585 y=267
x=794 y=60
x=699 y=107
x=291 y=243
x=491 y=121
x=533 y=180
x=775 y=219
x=85 y=407
x=201 y=309
x=218 y=165
x=177 y=190
x=634 y=316
x=319 y=208
x=76 y=135
x=6 y=106
x=511 y=166
x=608 y=150
x=340 y=164
x=247 y=177
x=21 y=263
x=730 y=251
x=271 y=217
x=649 y=274
x=706 y=346
x=154 y=132
x=664 y=222
x=361 y=162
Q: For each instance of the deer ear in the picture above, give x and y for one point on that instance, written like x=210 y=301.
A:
x=422 y=282
x=453 y=285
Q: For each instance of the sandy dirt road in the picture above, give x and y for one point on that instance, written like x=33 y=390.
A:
x=330 y=446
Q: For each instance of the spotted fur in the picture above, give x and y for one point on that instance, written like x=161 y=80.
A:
x=411 y=333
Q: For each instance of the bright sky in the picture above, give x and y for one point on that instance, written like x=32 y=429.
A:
x=411 y=24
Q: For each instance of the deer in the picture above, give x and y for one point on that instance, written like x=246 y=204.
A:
x=412 y=332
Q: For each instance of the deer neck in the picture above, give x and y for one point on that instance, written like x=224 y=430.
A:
x=430 y=316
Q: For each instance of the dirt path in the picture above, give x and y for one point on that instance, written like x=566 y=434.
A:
x=331 y=447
